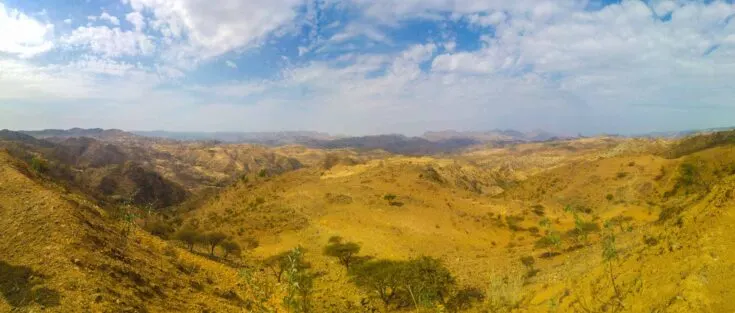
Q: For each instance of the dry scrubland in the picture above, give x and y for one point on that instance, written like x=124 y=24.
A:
x=586 y=225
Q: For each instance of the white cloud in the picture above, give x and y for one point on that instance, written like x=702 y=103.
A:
x=112 y=19
x=110 y=42
x=356 y=30
x=486 y=20
x=136 y=19
x=214 y=29
x=22 y=35
x=67 y=21
x=544 y=64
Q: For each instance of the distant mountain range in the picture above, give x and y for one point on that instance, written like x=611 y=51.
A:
x=264 y=138
x=492 y=136
x=432 y=142
x=682 y=133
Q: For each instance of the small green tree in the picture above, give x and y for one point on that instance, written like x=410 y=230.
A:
x=39 y=165
x=278 y=264
x=231 y=247
x=335 y=239
x=188 y=236
x=213 y=239
x=342 y=251
x=427 y=281
x=381 y=277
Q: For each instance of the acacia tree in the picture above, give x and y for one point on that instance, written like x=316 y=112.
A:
x=427 y=280
x=213 y=239
x=342 y=251
x=231 y=247
x=381 y=277
x=280 y=263
x=189 y=237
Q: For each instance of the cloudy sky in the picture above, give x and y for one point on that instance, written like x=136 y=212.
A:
x=367 y=66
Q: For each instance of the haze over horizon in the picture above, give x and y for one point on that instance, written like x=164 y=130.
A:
x=359 y=67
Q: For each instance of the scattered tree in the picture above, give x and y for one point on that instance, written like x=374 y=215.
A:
x=381 y=277
x=423 y=282
x=189 y=237
x=213 y=239
x=279 y=263
x=427 y=281
x=343 y=251
x=335 y=239
x=231 y=247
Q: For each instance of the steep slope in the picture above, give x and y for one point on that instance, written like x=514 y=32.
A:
x=60 y=253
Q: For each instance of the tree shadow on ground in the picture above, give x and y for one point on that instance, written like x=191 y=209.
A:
x=21 y=286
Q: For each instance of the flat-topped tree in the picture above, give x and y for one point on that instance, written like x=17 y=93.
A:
x=280 y=263
x=189 y=237
x=213 y=239
x=231 y=247
x=344 y=251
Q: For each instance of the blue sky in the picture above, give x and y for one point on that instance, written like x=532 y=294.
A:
x=367 y=66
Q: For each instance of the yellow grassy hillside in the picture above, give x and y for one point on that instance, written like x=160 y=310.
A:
x=61 y=253
x=469 y=212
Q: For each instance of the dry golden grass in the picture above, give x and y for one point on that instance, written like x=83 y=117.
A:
x=479 y=212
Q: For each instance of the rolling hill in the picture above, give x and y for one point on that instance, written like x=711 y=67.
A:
x=604 y=224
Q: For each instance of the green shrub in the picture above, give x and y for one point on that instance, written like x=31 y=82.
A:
x=528 y=262
x=513 y=222
x=39 y=165
x=300 y=283
x=538 y=210
x=463 y=299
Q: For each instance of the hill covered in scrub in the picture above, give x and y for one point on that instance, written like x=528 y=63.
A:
x=604 y=224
